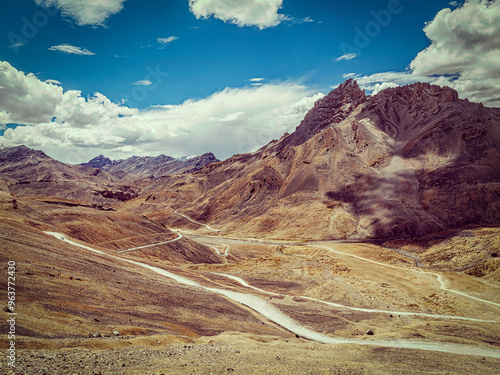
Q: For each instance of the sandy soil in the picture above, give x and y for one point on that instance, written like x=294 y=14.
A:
x=66 y=292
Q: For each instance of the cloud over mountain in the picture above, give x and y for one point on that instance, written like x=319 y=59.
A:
x=71 y=127
x=463 y=54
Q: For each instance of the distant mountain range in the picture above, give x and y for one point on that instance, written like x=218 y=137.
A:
x=28 y=172
x=152 y=167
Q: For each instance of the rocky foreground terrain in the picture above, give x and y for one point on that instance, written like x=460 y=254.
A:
x=366 y=242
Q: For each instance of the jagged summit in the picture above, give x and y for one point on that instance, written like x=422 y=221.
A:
x=332 y=108
x=100 y=162
x=417 y=92
x=152 y=166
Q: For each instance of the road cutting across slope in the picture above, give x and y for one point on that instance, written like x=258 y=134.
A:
x=338 y=305
x=179 y=236
x=442 y=283
x=196 y=222
x=226 y=250
x=273 y=314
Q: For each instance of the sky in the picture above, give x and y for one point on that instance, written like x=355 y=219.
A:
x=80 y=78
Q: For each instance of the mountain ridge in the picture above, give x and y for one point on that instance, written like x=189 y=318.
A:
x=152 y=166
x=406 y=162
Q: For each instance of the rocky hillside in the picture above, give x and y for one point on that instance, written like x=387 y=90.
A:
x=27 y=172
x=102 y=182
x=406 y=162
x=152 y=167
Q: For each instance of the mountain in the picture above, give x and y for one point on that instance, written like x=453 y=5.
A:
x=109 y=260
x=406 y=162
x=100 y=162
x=27 y=172
x=152 y=167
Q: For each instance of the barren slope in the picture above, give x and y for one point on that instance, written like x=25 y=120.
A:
x=27 y=172
x=407 y=162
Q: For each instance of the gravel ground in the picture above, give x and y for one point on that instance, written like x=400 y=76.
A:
x=246 y=356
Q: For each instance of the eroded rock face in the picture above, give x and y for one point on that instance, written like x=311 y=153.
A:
x=122 y=196
x=27 y=172
x=152 y=167
x=100 y=162
x=406 y=162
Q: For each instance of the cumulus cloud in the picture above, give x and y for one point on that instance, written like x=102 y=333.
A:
x=53 y=117
x=464 y=53
x=465 y=43
x=382 y=86
x=92 y=12
x=53 y=81
x=74 y=129
x=24 y=98
x=168 y=40
x=259 y=13
x=67 y=48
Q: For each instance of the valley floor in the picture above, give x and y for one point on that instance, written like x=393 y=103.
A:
x=264 y=308
x=236 y=353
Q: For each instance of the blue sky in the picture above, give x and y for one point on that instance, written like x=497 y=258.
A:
x=185 y=77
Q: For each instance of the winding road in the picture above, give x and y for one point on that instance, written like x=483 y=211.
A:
x=273 y=314
x=226 y=250
x=196 y=222
x=179 y=236
x=442 y=283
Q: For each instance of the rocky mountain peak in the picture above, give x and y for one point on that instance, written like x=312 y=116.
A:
x=333 y=108
x=100 y=162
x=19 y=152
x=416 y=93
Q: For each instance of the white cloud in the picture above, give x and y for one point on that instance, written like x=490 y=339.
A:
x=464 y=54
x=53 y=116
x=464 y=42
x=90 y=12
x=382 y=86
x=370 y=82
x=259 y=13
x=67 y=48
x=24 y=98
x=257 y=81
x=53 y=81
x=168 y=40
x=145 y=82
x=349 y=75
x=347 y=56
x=229 y=117
x=74 y=129
x=15 y=46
